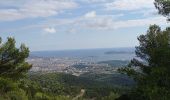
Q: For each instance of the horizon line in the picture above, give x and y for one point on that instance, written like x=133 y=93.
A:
x=80 y=49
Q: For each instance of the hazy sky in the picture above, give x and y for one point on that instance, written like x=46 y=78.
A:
x=77 y=24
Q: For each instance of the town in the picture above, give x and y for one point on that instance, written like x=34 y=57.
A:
x=74 y=66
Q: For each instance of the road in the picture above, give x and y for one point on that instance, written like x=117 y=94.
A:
x=82 y=92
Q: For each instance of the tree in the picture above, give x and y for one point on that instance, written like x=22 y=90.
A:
x=151 y=70
x=12 y=59
x=12 y=69
x=163 y=7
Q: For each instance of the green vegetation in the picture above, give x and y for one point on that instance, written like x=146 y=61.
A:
x=152 y=76
x=12 y=60
x=151 y=73
x=163 y=7
x=14 y=84
x=115 y=63
x=13 y=68
x=95 y=85
x=17 y=84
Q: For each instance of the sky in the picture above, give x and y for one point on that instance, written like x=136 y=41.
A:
x=77 y=24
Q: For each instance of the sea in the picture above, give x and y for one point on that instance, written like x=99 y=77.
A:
x=102 y=54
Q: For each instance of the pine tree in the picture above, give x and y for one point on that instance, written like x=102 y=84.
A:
x=12 y=59
x=151 y=68
x=13 y=68
x=163 y=7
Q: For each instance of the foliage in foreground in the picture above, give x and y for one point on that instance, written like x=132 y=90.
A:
x=152 y=71
x=14 y=84
x=163 y=7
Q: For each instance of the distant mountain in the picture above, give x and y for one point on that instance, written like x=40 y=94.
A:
x=120 y=52
x=115 y=63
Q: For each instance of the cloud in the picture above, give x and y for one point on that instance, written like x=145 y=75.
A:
x=146 y=13
x=72 y=31
x=102 y=22
x=50 y=30
x=140 y=22
x=129 y=4
x=111 y=24
x=94 y=1
x=91 y=14
x=91 y=20
x=35 y=8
